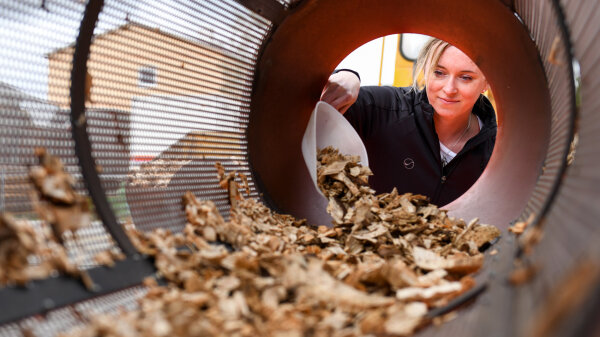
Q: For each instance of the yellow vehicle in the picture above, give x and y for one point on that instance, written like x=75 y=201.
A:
x=407 y=50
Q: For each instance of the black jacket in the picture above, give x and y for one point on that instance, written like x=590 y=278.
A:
x=396 y=125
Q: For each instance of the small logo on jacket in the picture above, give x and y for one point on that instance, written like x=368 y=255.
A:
x=409 y=163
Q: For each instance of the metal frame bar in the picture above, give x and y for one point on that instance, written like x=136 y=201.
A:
x=39 y=297
x=539 y=219
x=268 y=9
x=568 y=45
x=83 y=147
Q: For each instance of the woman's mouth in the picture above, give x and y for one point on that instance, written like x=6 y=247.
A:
x=448 y=100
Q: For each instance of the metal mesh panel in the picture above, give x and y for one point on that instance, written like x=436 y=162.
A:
x=122 y=300
x=168 y=95
x=542 y=21
x=175 y=78
x=52 y=324
x=74 y=316
x=571 y=230
x=30 y=114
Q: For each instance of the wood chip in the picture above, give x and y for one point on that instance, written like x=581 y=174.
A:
x=57 y=202
x=523 y=273
x=555 y=49
x=32 y=252
x=519 y=227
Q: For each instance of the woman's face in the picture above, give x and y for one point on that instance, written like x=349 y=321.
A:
x=455 y=84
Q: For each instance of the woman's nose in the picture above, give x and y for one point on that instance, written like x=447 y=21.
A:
x=449 y=86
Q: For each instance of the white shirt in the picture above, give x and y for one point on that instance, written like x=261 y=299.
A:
x=446 y=154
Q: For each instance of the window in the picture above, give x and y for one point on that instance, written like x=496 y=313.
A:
x=147 y=77
x=411 y=44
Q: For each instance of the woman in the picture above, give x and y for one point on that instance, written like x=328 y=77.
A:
x=434 y=141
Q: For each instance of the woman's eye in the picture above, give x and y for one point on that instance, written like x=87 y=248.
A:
x=466 y=78
x=438 y=73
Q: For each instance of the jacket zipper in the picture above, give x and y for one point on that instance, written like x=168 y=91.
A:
x=440 y=184
x=443 y=178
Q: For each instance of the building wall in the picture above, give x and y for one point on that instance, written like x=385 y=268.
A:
x=117 y=57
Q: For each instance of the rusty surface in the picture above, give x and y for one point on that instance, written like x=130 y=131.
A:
x=311 y=41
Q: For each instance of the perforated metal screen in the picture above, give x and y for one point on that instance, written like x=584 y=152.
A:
x=168 y=94
x=74 y=316
x=571 y=230
x=551 y=38
x=32 y=115
x=178 y=76
x=169 y=87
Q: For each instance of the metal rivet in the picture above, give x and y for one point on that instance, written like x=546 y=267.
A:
x=48 y=303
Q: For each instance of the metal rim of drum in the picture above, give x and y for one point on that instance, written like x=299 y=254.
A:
x=83 y=148
x=292 y=59
x=278 y=64
x=311 y=41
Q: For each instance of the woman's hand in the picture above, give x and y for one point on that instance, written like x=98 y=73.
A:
x=341 y=90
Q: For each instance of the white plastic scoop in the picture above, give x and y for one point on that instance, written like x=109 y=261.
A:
x=327 y=127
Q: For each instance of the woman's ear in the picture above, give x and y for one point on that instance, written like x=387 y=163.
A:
x=486 y=87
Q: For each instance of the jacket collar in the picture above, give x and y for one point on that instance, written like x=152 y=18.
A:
x=424 y=120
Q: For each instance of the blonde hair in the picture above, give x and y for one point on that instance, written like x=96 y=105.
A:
x=427 y=61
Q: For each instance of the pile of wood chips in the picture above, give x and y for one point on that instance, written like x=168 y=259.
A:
x=387 y=260
x=32 y=252
x=56 y=201
x=156 y=173
x=19 y=243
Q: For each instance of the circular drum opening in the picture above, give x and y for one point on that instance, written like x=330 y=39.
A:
x=389 y=61
x=310 y=42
